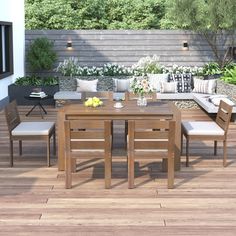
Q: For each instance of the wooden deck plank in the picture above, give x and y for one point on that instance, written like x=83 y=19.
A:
x=33 y=200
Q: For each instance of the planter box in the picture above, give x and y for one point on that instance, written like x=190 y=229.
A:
x=17 y=92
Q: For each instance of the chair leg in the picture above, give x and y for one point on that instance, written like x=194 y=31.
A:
x=170 y=172
x=11 y=153
x=181 y=150
x=131 y=170
x=107 y=170
x=20 y=147
x=187 y=152
x=215 y=148
x=225 y=153
x=54 y=143
x=68 y=173
x=48 y=151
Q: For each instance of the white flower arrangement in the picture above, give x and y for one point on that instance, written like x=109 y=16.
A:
x=141 y=86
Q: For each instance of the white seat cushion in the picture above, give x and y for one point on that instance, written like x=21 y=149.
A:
x=33 y=128
x=202 y=128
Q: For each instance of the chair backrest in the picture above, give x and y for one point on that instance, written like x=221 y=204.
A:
x=224 y=115
x=12 y=116
x=86 y=135
x=150 y=135
x=132 y=96
x=103 y=95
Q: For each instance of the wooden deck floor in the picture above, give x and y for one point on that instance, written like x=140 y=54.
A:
x=33 y=200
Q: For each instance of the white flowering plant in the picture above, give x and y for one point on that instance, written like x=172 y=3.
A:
x=68 y=67
x=141 y=86
x=149 y=65
x=114 y=69
x=176 y=69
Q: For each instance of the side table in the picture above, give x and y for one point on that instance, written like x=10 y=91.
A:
x=38 y=103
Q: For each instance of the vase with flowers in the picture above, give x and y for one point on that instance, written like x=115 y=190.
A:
x=141 y=86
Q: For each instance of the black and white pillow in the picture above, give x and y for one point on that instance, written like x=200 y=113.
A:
x=184 y=82
x=187 y=83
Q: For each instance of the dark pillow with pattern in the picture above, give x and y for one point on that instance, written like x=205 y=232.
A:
x=184 y=82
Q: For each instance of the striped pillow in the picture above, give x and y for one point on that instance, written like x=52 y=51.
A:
x=204 y=86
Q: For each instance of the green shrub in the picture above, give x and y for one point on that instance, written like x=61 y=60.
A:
x=36 y=81
x=212 y=68
x=41 y=55
x=229 y=76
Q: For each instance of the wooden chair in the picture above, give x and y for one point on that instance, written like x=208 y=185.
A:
x=151 y=138
x=132 y=96
x=204 y=130
x=87 y=138
x=103 y=95
x=35 y=130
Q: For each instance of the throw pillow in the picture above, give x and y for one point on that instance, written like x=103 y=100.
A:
x=169 y=87
x=87 y=85
x=184 y=82
x=204 y=86
x=121 y=85
x=156 y=79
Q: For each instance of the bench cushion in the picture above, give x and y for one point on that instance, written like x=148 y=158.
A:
x=67 y=95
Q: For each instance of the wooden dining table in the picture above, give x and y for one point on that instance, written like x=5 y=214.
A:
x=129 y=111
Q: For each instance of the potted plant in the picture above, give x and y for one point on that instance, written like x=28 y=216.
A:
x=23 y=86
x=40 y=57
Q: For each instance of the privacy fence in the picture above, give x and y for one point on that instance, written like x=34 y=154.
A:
x=126 y=47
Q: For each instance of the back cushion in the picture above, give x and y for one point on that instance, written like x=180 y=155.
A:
x=184 y=82
x=169 y=87
x=204 y=86
x=156 y=79
x=87 y=85
x=121 y=85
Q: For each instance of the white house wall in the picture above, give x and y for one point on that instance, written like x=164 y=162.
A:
x=13 y=11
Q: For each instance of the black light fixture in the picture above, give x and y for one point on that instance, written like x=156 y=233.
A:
x=185 y=46
x=69 y=45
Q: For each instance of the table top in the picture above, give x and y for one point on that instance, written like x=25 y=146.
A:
x=130 y=109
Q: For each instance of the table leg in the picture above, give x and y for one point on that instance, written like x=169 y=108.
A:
x=45 y=112
x=31 y=109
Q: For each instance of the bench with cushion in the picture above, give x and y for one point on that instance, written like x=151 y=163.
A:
x=174 y=87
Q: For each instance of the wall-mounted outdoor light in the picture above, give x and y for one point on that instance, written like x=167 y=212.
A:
x=69 y=45
x=185 y=46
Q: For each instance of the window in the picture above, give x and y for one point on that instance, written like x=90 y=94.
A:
x=6 y=49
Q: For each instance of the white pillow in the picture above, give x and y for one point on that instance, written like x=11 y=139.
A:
x=168 y=87
x=204 y=86
x=121 y=85
x=156 y=79
x=87 y=85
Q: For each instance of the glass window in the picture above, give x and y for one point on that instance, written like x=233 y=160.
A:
x=6 y=49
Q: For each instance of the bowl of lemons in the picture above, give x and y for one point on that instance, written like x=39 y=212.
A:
x=93 y=102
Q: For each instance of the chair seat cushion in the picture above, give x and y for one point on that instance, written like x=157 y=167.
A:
x=33 y=128
x=202 y=128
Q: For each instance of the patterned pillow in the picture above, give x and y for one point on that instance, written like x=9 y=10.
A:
x=204 y=86
x=184 y=82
